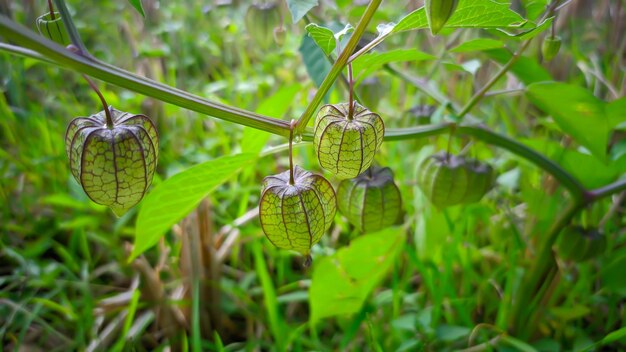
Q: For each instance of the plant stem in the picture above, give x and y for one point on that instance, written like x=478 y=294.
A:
x=339 y=65
x=107 y=111
x=568 y=181
x=602 y=192
x=351 y=97
x=292 y=125
x=530 y=290
x=503 y=70
x=71 y=28
x=369 y=46
x=52 y=16
x=124 y=79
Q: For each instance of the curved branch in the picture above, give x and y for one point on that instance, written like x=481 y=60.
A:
x=127 y=80
x=568 y=181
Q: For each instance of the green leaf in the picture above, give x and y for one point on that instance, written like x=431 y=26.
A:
x=342 y=282
x=616 y=111
x=323 y=37
x=315 y=61
x=480 y=44
x=614 y=336
x=468 y=14
x=299 y=8
x=364 y=65
x=533 y=32
x=534 y=8
x=138 y=6
x=588 y=169
x=577 y=112
x=174 y=198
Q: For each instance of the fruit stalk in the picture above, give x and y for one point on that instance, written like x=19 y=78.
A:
x=339 y=65
x=105 y=106
x=52 y=16
x=351 y=89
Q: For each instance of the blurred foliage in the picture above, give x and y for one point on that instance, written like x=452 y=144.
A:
x=65 y=280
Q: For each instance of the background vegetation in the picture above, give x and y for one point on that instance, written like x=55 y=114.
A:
x=441 y=280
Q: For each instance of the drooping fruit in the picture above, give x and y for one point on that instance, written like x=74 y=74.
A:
x=113 y=164
x=370 y=202
x=444 y=179
x=438 y=12
x=346 y=145
x=578 y=244
x=261 y=19
x=53 y=29
x=448 y=180
x=480 y=180
x=295 y=215
x=550 y=47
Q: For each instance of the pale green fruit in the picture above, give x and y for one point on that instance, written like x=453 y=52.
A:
x=371 y=201
x=296 y=216
x=480 y=180
x=444 y=179
x=113 y=164
x=346 y=145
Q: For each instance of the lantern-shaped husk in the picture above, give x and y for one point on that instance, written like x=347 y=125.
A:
x=578 y=244
x=115 y=164
x=448 y=180
x=346 y=147
x=295 y=216
x=443 y=178
x=480 y=180
x=370 y=202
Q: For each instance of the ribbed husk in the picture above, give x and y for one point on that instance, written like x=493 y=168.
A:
x=114 y=165
x=370 y=202
x=296 y=216
x=347 y=147
x=448 y=180
x=578 y=244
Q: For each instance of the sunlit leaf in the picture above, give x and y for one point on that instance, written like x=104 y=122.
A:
x=468 y=14
x=323 y=37
x=479 y=44
x=364 y=65
x=533 y=32
x=342 y=282
x=588 y=169
x=577 y=112
x=173 y=199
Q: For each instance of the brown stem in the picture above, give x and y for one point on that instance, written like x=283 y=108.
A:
x=351 y=99
x=52 y=16
x=292 y=125
x=107 y=111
